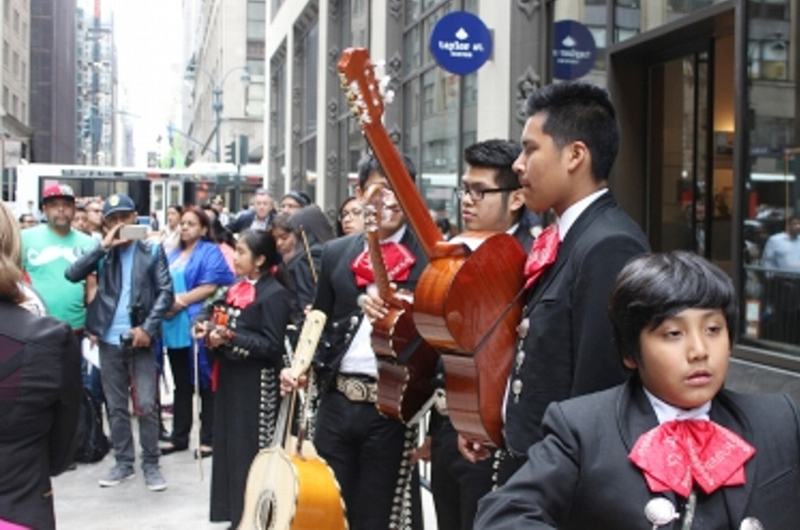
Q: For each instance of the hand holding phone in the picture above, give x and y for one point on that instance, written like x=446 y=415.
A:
x=133 y=232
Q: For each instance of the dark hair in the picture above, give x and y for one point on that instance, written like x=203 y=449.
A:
x=313 y=222
x=339 y=216
x=655 y=287
x=177 y=207
x=370 y=164
x=220 y=234
x=495 y=154
x=80 y=207
x=24 y=215
x=205 y=222
x=300 y=197
x=261 y=243
x=281 y=221
x=583 y=112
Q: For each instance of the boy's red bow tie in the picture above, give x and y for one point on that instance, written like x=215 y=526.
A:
x=677 y=454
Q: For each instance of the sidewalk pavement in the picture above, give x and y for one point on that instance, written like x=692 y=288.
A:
x=80 y=504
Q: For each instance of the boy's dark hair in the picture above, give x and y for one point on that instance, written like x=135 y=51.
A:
x=369 y=165
x=654 y=287
x=580 y=112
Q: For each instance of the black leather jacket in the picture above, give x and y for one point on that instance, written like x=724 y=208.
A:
x=151 y=288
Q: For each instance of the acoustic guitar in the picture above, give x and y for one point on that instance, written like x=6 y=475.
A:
x=288 y=486
x=406 y=363
x=468 y=300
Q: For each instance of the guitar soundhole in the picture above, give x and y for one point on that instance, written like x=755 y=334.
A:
x=265 y=514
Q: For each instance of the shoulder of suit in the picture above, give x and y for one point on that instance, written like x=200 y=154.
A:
x=23 y=326
x=589 y=407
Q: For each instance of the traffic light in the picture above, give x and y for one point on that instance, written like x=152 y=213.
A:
x=230 y=152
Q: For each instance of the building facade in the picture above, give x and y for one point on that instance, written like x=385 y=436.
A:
x=52 y=73
x=224 y=96
x=707 y=97
x=96 y=78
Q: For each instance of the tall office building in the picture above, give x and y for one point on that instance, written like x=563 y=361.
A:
x=224 y=97
x=51 y=107
x=96 y=77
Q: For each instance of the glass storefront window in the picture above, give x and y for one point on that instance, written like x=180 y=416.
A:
x=771 y=232
x=439 y=108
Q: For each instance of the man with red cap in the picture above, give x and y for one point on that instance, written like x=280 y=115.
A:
x=48 y=249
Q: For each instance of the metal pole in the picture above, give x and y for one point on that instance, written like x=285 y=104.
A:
x=218 y=113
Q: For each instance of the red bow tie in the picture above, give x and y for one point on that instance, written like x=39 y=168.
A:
x=543 y=253
x=677 y=454
x=397 y=258
x=241 y=295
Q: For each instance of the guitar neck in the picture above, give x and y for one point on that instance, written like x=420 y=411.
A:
x=430 y=238
x=378 y=266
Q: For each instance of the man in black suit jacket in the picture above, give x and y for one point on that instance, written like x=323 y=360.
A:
x=365 y=449
x=259 y=217
x=565 y=348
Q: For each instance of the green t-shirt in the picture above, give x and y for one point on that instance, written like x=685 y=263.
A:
x=45 y=257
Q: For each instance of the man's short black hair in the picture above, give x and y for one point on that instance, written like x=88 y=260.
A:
x=583 y=112
x=654 y=287
x=495 y=154
x=369 y=165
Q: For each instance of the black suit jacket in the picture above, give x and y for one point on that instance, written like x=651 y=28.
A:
x=569 y=348
x=40 y=396
x=579 y=475
x=337 y=295
x=243 y=221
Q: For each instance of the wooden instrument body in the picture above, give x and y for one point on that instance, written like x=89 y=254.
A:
x=406 y=363
x=467 y=303
x=291 y=492
x=289 y=487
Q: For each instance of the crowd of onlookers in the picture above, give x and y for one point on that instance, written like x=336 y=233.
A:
x=109 y=306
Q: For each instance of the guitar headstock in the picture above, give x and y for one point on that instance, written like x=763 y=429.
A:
x=363 y=90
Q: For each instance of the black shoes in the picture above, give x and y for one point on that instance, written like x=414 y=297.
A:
x=169 y=449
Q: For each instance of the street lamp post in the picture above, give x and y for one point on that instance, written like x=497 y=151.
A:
x=216 y=91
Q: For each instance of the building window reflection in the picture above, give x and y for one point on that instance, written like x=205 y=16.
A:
x=439 y=114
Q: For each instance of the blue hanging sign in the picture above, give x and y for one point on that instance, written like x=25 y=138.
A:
x=574 y=50
x=460 y=42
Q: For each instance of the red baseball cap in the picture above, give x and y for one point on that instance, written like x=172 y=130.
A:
x=55 y=191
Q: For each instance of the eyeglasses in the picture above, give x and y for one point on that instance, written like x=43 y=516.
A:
x=477 y=194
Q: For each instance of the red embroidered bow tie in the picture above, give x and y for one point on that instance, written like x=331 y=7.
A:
x=241 y=295
x=543 y=253
x=397 y=258
x=677 y=454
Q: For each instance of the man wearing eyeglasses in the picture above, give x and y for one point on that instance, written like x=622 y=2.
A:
x=367 y=451
x=491 y=200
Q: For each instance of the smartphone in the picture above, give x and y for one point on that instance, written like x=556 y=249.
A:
x=133 y=232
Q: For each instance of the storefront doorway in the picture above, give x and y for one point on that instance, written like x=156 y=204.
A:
x=674 y=92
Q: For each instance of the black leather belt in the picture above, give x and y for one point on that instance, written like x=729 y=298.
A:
x=357 y=388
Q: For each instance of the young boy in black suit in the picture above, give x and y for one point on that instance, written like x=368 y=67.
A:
x=670 y=448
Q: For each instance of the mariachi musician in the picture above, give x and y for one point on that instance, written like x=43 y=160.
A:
x=492 y=201
x=366 y=450
x=243 y=326
x=565 y=346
